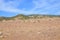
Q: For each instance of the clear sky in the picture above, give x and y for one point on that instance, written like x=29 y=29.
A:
x=14 y=7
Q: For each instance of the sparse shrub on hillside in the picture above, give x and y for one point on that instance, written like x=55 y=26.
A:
x=6 y=18
x=9 y=18
x=2 y=18
x=52 y=16
x=21 y=16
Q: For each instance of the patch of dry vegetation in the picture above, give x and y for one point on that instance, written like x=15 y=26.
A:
x=33 y=16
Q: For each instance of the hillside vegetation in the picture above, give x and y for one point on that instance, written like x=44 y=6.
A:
x=32 y=16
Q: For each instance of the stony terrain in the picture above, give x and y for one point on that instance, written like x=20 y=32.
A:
x=30 y=29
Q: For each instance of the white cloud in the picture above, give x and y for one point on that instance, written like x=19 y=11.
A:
x=46 y=6
x=39 y=4
x=11 y=6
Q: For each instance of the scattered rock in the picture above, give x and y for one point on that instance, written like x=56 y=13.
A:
x=38 y=32
x=1 y=35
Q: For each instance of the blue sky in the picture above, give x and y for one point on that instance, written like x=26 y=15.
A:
x=14 y=7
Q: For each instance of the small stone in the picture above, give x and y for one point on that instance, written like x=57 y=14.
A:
x=38 y=32
x=1 y=33
x=1 y=36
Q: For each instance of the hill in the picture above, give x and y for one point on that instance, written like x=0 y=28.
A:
x=32 y=16
x=30 y=27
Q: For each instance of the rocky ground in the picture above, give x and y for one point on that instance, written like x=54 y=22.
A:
x=30 y=29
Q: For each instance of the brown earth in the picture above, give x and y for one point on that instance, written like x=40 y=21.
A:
x=31 y=29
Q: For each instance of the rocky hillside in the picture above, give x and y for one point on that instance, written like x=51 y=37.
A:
x=31 y=27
